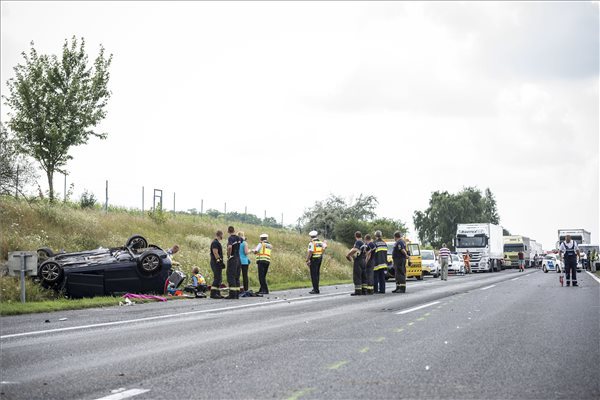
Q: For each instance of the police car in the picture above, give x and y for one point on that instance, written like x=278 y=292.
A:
x=551 y=262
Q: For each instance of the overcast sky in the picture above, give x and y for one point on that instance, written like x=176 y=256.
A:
x=277 y=105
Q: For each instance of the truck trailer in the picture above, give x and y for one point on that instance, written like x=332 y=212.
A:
x=484 y=243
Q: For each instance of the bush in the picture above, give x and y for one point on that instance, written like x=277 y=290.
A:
x=158 y=216
x=87 y=200
x=345 y=229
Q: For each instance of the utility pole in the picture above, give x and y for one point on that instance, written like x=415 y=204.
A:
x=142 y=200
x=65 y=189
x=106 y=203
x=17 y=184
x=282 y=220
x=225 y=207
x=173 y=202
x=201 y=206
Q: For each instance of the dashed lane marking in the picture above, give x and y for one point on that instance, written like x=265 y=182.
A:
x=337 y=365
x=124 y=395
x=514 y=279
x=408 y=310
x=379 y=339
x=487 y=287
x=421 y=319
x=364 y=350
x=399 y=330
x=296 y=395
x=410 y=323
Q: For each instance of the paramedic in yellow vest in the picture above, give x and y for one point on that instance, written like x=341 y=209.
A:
x=380 y=267
x=263 y=260
x=316 y=248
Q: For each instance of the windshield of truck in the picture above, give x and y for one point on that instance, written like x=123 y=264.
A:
x=476 y=241
x=509 y=248
x=575 y=238
x=427 y=255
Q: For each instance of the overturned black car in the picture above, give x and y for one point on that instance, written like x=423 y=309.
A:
x=136 y=267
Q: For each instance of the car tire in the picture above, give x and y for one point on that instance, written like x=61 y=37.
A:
x=43 y=254
x=50 y=273
x=420 y=277
x=149 y=263
x=545 y=270
x=136 y=242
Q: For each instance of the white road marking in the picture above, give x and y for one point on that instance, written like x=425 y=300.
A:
x=593 y=276
x=8 y=383
x=124 y=395
x=417 y=308
x=157 y=317
x=487 y=287
x=514 y=279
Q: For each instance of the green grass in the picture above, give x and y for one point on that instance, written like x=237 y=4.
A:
x=15 y=308
x=25 y=226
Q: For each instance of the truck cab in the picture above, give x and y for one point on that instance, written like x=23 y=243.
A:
x=515 y=244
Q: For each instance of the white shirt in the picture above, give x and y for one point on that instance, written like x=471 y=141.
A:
x=564 y=246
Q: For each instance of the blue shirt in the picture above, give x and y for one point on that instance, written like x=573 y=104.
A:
x=244 y=260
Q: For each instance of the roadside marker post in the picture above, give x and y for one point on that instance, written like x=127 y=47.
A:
x=23 y=269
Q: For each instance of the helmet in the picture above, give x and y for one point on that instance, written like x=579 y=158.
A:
x=264 y=236
x=313 y=234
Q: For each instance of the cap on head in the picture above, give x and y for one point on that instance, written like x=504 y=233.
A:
x=313 y=234
x=264 y=236
x=378 y=234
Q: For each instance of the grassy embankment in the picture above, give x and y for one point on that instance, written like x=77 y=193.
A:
x=26 y=226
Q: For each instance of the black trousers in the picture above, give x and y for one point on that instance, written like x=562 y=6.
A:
x=571 y=269
x=369 y=275
x=244 y=272
x=315 y=272
x=217 y=271
x=400 y=271
x=233 y=273
x=358 y=273
x=263 y=268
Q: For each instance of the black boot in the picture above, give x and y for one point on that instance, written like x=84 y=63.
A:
x=402 y=289
x=214 y=294
x=357 y=292
x=231 y=295
x=369 y=291
x=397 y=290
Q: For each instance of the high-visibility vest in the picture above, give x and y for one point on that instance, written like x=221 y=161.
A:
x=265 y=252
x=380 y=255
x=200 y=279
x=318 y=248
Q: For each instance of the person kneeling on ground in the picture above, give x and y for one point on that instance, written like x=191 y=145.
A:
x=198 y=286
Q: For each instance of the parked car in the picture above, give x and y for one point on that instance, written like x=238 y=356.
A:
x=136 y=268
x=431 y=265
x=456 y=264
x=551 y=262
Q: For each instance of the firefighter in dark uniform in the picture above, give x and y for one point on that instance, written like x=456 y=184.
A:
x=314 y=257
x=380 y=266
x=216 y=265
x=369 y=264
x=569 y=252
x=358 y=252
x=399 y=255
x=233 y=264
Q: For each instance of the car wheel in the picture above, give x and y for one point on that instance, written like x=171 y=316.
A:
x=50 y=272
x=136 y=242
x=420 y=277
x=545 y=270
x=149 y=263
x=43 y=254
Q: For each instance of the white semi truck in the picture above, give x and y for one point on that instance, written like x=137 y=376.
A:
x=581 y=236
x=485 y=245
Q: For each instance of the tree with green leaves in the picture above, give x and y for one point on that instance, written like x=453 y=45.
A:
x=437 y=224
x=16 y=171
x=56 y=102
x=324 y=215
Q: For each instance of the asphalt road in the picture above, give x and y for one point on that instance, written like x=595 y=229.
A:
x=506 y=335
